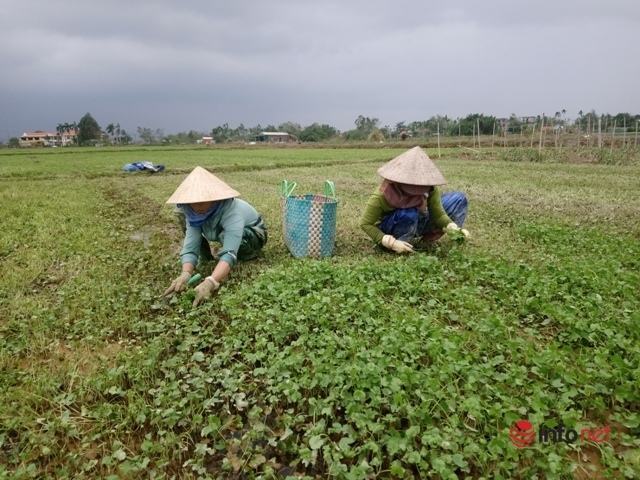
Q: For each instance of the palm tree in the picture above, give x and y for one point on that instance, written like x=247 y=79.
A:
x=125 y=137
x=60 y=130
x=110 y=128
x=74 y=127
x=580 y=116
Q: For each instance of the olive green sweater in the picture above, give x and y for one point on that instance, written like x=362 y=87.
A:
x=377 y=207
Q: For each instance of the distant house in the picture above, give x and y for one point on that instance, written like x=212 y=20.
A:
x=503 y=123
x=67 y=138
x=38 y=139
x=280 y=137
x=205 y=140
x=528 y=120
x=46 y=139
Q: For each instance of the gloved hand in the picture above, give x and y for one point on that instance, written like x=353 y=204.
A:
x=179 y=284
x=397 y=246
x=452 y=227
x=204 y=290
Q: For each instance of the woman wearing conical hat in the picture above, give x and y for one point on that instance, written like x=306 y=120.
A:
x=409 y=206
x=212 y=213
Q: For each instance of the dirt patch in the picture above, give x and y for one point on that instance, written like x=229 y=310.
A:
x=143 y=237
x=84 y=360
x=589 y=466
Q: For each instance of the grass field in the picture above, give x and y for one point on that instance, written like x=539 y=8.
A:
x=362 y=365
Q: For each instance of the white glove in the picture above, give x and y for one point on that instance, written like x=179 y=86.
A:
x=397 y=246
x=179 y=284
x=453 y=227
x=204 y=290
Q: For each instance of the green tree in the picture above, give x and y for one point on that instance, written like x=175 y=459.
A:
x=221 y=133
x=125 y=138
x=255 y=131
x=366 y=124
x=399 y=129
x=623 y=119
x=14 y=142
x=515 y=124
x=110 y=129
x=469 y=125
x=240 y=133
x=317 y=133
x=146 y=135
x=88 y=130
x=418 y=129
x=291 y=128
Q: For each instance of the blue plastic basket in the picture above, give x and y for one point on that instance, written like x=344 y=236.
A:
x=309 y=221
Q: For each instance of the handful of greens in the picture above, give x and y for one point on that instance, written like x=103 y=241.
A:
x=457 y=236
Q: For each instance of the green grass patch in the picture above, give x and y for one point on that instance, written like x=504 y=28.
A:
x=362 y=365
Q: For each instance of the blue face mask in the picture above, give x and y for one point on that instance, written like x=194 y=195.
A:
x=197 y=219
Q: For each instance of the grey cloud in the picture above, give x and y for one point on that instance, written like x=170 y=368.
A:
x=196 y=64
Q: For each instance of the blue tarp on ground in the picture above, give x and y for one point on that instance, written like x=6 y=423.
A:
x=138 y=166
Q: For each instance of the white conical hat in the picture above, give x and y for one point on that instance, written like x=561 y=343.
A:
x=413 y=167
x=202 y=186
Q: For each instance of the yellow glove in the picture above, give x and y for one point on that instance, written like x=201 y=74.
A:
x=397 y=246
x=179 y=284
x=204 y=290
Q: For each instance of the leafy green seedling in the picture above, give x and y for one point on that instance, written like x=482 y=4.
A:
x=457 y=236
x=187 y=298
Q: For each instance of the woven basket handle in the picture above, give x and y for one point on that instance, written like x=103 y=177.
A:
x=329 y=189
x=286 y=188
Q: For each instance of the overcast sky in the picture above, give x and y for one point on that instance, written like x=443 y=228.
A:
x=196 y=64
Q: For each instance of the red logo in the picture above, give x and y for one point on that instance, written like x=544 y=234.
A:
x=522 y=434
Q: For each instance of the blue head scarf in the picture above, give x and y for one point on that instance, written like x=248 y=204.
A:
x=197 y=219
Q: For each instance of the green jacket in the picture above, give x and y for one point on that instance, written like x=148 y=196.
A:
x=377 y=207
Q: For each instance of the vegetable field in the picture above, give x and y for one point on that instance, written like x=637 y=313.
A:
x=363 y=365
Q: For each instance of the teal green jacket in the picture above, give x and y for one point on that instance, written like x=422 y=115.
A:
x=226 y=227
x=377 y=207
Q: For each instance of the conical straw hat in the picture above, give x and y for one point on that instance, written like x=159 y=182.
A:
x=202 y=186
x=413 y=167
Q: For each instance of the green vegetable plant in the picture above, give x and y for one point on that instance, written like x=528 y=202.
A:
x=456 y=236
x=362 y=365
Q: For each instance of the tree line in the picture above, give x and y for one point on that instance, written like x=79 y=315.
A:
x=88 y=131
x=370 y=128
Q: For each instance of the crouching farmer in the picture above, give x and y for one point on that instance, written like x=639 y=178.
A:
x=408 y=206
x=209 y=211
